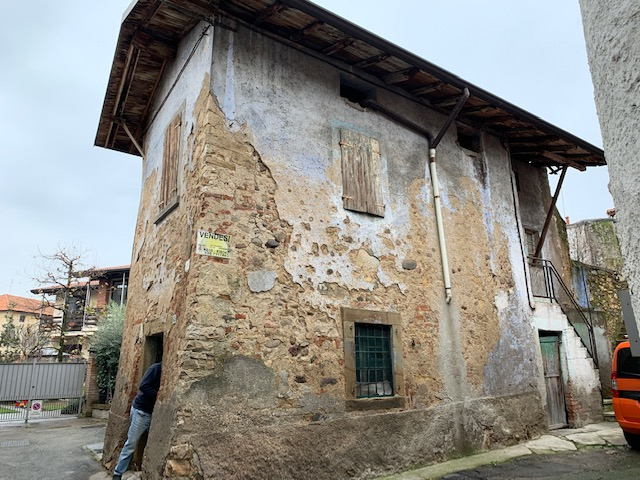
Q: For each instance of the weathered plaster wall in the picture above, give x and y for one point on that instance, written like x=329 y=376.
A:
x=595 y=242
x=597 y=275
x=535 y=197
x=611 y=33
x=254 y=362
x=597 y=290
x=581 y=380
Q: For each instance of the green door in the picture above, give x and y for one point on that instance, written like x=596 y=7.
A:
x=556 y=408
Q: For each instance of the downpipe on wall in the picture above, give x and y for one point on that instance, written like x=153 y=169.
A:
x=433 y=143
x=437 y=202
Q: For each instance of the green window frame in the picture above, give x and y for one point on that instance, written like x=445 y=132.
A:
x=373 y=360
x=374 y=363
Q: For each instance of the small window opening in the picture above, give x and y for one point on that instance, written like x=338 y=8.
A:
x=352 y=94
x=531 y=241
x=469 y=141
x=355 y=91
x=374 y=369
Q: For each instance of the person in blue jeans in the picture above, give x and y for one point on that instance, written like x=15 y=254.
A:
x=140 y=416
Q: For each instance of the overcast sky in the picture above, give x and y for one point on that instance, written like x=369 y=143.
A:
x=58 y=189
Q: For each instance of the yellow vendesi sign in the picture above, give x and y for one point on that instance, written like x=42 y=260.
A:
x=213 y=244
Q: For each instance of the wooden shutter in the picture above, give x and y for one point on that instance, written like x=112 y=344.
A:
x=361 y=179
x=169 y=185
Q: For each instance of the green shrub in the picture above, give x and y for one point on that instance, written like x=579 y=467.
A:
x=106 y=347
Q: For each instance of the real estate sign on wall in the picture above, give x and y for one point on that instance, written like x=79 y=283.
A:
x=213 y=244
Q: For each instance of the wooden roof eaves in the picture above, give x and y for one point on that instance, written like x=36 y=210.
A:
x=383 y=45
x=485 y=101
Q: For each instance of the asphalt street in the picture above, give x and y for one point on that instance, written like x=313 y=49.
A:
x=51 y=449
x=590 y=464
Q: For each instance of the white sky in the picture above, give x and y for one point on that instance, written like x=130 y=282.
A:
x=58 y=189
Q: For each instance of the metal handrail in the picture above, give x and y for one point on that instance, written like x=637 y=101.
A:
x=553 y=278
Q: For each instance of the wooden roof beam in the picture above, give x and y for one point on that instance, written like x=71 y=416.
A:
x=372 y=60
x=445 y=101
x=563 y=160
x=432 y=87
x=479 y=109
x=534 y=149
x=400 y=76
x=533 y=139
x=147 y=42
x=200 y=9
x=338 y=46
x=308 y=30
x=269 y=12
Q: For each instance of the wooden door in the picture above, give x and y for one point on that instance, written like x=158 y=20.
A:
x=556 y=407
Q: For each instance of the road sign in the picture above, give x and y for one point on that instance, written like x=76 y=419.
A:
x=36 y=408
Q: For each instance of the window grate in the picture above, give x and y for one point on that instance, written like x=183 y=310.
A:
x=374 y=369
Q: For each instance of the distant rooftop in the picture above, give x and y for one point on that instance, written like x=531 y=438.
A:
x=23 y=304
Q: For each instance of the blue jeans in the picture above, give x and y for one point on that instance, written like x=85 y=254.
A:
x=140 y=422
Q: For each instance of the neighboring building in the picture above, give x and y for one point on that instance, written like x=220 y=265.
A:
x=611 y=34
x=29 y=317
x=23 y=311
x=597 y=279
x=289 y=262
x=88 y=298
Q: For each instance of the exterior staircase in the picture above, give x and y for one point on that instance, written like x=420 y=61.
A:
x=547 y=283
x=607 y=410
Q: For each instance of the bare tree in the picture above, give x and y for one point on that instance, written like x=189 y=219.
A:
x=64 y=275
x=21 y=341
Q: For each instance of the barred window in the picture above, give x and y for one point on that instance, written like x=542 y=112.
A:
x=374 y=371
x=373 y=360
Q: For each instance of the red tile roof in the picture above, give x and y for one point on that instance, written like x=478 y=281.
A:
x=22 y=304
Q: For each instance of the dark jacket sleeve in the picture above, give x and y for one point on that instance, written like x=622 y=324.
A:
x=148 y=390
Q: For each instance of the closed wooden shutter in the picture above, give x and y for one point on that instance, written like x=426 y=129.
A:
x=169 y=185
x=361 y=177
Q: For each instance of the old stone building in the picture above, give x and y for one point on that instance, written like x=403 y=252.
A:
x=597 y=279
x=331 y=253
x=611 y=34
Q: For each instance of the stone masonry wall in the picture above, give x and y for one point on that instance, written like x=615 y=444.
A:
x=263 y=368
x=254 y=378
x=595 y=242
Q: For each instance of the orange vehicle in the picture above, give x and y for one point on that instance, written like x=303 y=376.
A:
x=625 y=390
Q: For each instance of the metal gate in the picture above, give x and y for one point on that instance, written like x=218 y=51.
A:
x=41 y=390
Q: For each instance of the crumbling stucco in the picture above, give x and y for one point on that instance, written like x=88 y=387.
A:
x=254 y=372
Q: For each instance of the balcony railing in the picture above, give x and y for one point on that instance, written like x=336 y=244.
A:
x=547 y=283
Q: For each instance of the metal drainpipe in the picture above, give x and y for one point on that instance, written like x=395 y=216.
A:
x=436 y=193
x=433 y=143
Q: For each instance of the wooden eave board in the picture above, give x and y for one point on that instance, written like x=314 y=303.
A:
x=171 y=24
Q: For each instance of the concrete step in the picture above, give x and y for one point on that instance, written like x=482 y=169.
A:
x=607 y=401
x=609 y=416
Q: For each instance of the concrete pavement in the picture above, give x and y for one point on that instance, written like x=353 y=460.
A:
x=605 y=434
x=72 y=448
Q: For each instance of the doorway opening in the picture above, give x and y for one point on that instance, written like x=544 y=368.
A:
x=152 y=353
x=553 y=379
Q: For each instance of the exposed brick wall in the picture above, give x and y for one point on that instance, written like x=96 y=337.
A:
x=104 y=293
x=92 y=391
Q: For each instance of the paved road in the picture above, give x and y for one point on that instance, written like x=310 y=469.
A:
x=614 y=463
x=51 y=449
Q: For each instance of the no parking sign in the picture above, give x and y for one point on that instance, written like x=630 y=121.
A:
x=36 y=408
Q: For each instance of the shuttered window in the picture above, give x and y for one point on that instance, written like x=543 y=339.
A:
x=169 y=185
x=361 y=173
